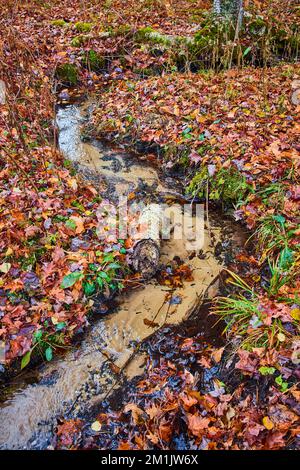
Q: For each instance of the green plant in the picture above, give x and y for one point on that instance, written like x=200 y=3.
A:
x=67 y=73
x=45 y=344
x=281 y=272
x=98 y=276
x=244 y=314
x=282 y=384
x=227 y=185
x=93 y=61
x=149 y=34
x=264 y=370
x=271 y=234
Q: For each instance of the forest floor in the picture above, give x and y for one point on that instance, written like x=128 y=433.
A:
x=223 y=111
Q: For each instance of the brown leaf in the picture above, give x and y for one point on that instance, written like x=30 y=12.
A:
x=197 y=424
x=135 y=411
x=217 y=354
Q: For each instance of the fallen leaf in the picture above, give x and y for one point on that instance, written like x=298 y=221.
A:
x=217 y=355
x=197 y=424
x=268 y=424
x=96 y=426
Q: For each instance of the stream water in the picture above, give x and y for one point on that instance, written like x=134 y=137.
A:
x=91 y=370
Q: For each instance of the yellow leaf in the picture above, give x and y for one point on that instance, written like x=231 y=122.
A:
x=295 y=313
x=96 y=426
x=5 y=267
x=268 y=424
x=281 y=337
x=72 y=183
x=9 y=252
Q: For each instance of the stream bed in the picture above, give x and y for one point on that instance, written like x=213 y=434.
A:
x=109 y=353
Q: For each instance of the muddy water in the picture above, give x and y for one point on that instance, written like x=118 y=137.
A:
x=115 y=172
x=88 y=373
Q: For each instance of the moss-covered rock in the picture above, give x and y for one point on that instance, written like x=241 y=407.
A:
x=82 y=27
x=152 y=36
x=67 y=73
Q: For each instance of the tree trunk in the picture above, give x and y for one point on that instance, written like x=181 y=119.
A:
x=232 y=8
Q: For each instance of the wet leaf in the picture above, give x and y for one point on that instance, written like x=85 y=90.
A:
x=70 y=279
x=49 y=353
x=217 y=355
x=150 y=323
x=295 y=314
x=135 y=411
x=25 y=359
x=197 y=424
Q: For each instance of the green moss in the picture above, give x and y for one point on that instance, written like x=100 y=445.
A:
x=82 y=27
x=67 y=73
x=59 y=23
x=142 y=33
x=152 y=36
x=78 y=41
x=93 y=60
x=226 y=185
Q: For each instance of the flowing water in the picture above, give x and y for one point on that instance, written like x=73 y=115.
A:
x=91 y=370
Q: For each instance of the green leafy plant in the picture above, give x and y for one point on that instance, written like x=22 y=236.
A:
x=282 y=384
x=98 y=276
x=264 y=370
x=45 y=344
x=79 y=41
x=93 y=61
x=60 y=23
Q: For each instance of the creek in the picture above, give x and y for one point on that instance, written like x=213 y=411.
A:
x=108 y=355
